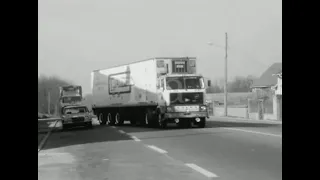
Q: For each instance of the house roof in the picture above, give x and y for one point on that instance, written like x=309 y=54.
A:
x=267 y=79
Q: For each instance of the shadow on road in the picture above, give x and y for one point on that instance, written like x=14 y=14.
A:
x=209 y=124
x=82 y=135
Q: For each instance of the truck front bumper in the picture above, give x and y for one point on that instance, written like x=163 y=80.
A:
x=174 y=115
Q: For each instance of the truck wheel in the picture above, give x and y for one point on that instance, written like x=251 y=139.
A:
x=118 y=120
x=102 y=119
x=161 y=123
x=146 y=120
x=110 y=120
x=202 y=123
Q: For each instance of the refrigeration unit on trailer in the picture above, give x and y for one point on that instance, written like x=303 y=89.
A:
x=152 y=92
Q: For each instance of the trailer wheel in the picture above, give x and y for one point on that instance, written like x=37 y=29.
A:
x=146 y=119
x=118 y=120
x=110 y=120
x=102 y=119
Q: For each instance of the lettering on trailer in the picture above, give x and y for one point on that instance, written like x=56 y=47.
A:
x=120 y=83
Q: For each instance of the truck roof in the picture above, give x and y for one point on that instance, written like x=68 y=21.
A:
x=179 y=75
x=73 y=106
x=146 y=60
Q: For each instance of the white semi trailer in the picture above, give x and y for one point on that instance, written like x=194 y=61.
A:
x=151 y=92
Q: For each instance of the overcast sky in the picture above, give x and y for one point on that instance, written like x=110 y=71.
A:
x=78 y=36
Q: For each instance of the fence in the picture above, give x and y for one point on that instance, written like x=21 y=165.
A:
x=255 y=109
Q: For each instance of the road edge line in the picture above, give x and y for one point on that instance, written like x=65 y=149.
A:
x=201 y=170
x=46 y=137
x=155 y=148
x=253 y=132
x=246 y=119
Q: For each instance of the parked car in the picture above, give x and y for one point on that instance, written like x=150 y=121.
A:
x=76 y=115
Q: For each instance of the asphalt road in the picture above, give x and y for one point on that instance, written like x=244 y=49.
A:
x=226 y=150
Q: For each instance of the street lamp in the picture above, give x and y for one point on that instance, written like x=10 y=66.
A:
x=225 y=74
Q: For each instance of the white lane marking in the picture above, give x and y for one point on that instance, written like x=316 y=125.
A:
x=105 y=159
x=120 y=131
x=113 y=127
x=135 y=138
x=157 y=149
x=202 y=171
x=255 y=132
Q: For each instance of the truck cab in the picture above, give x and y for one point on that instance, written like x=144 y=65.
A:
x=70 y=95
x=181 y=93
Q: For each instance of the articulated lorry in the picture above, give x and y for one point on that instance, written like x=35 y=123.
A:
x=151 y=93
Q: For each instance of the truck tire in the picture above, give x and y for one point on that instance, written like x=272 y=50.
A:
x=110 y=119
x=146 y=120
x=202 y=123
x=162 y=123
x=102 y=119
x=118 y=120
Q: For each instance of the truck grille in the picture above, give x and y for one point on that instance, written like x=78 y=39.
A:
x=186 y=98
x=78 y=119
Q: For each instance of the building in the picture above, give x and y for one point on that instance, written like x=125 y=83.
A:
x=269 y=86
x=267 y=80
x=278 y=87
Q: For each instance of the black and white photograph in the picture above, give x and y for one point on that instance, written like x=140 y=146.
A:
x=159 y=90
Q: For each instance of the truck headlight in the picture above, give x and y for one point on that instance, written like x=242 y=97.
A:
x=203 y=108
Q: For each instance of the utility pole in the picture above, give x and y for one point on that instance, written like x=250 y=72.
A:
x=49 y=102
x=226 y=79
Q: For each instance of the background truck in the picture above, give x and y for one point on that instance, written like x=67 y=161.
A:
x=151 y=92
x=69 y=95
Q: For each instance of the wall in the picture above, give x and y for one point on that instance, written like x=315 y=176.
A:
x=241 y=113
x=236 y=112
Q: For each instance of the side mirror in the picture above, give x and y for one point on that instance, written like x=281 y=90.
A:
x=209 y=83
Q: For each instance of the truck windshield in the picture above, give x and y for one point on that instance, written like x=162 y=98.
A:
x=184 y=83
x=71 y=99
x=75 y=110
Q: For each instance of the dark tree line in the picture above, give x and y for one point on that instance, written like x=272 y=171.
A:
x=49 y=86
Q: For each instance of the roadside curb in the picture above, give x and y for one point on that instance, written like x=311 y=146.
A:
x=44 y=140
x=244 y=119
